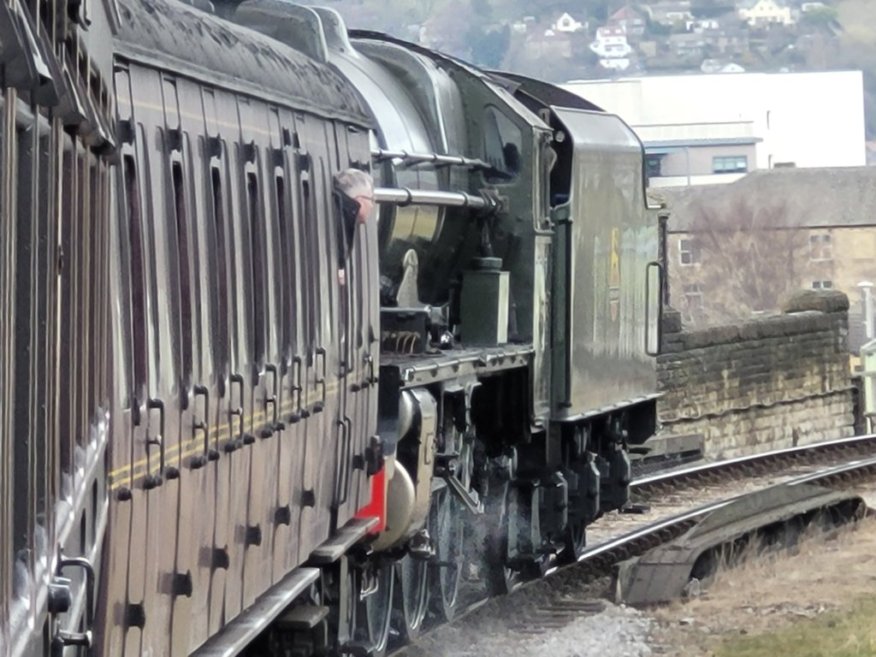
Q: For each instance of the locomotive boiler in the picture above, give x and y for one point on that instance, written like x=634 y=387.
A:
x=261 y=456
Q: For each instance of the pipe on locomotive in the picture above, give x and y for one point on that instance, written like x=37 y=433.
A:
x=410 y=159
x=403 y=196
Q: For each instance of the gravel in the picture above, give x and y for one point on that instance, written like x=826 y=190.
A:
x=617 y=631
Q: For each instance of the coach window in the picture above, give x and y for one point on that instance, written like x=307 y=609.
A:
x=311 y=267
x=22 y=458
x=155 y=264
x=185 y=299
x=138 y=292
x=503 y=146
x=330 y=241
x=286 y=261
x=66 y=382
x=81 y=257
x=219 y=272
x=257 y=261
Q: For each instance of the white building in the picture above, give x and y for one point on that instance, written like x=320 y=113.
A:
x=764 y=12
x=612 y=47
x=718 y=66
x=700 y=129
x=566 y=23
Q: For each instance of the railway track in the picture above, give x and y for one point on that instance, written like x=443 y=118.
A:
x=663 y=507
x=673 y=493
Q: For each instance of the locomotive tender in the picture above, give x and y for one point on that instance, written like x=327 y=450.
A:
x=212 y=444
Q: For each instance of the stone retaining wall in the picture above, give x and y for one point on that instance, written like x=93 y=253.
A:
x=763 y=384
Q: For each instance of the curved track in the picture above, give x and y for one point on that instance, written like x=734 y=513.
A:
x=664 y=506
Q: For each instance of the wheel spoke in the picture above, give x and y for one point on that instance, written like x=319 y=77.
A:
x=575 y=541
x=375 y=608
x=411 y=597
x=503 y=513
x=449 y=532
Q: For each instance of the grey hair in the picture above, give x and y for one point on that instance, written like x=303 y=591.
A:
x=354 y=182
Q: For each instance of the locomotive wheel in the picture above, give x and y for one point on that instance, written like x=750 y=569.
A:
x=575 y=541
x=448 y=519
x=505 y=510
x=449 y=536
x=375 y=609
x=411 y=597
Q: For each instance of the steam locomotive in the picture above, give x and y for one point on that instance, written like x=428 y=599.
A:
x=211 y=443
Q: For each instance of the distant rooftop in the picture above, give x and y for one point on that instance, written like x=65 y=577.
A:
x=813 y=197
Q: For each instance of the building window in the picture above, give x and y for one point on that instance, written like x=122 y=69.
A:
x=822 y=285
x=688 y=252
x=820 y=247
x=730 y=164
x=653 y=165
x=693 y=298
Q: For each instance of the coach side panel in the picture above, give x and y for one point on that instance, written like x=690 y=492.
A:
x=240 y=357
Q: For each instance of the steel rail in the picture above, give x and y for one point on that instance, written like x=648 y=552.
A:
x=801 y=454
x=595 y=561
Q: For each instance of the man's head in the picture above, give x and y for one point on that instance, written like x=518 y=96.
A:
x=358 y=186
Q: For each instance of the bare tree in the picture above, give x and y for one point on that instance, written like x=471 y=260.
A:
x=746 y=261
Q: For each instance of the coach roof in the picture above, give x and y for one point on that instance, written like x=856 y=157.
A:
x=189 y=42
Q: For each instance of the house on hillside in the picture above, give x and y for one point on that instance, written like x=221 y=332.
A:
x=546 y=45
x=670 y=14
x=522 y=26
x=720 y=66
x=688 y=45
x=728 y=42
x=806 y=7
x=758 y=13
x=738 y=249
x=630 y=19
x=702 y=24
x=566 y=24
x=612 y=47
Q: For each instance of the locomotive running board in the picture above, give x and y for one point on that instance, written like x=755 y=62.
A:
x=337 y=546
x=240 y=632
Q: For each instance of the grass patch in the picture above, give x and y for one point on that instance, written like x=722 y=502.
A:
x=850 y=633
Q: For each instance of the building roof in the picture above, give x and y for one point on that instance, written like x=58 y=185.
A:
x=626 y=13
x=751 y=4
x=674 y=145
x=813 y=197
